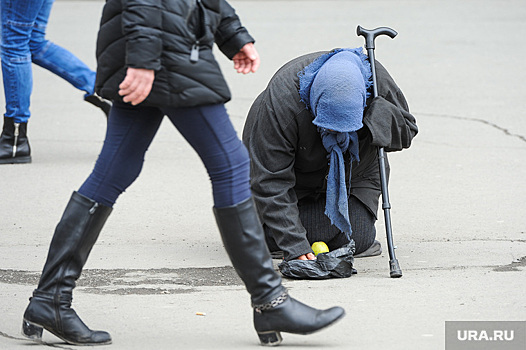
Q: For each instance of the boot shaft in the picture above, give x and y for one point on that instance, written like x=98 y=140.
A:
x=12 y=130
x=50 y=306
x=74 y=237
x=14 y=145
x=244 y=241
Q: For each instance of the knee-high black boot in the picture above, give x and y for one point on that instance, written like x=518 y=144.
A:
x=50 y=306
x=14 y=145
x=274 y=310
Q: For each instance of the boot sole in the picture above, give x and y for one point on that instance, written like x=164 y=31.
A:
x=98 y=102
x=16 y=160
x=34 y=332
x=273 y=338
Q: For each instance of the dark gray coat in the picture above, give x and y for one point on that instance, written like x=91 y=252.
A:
x=289 y=162
x=161 y=35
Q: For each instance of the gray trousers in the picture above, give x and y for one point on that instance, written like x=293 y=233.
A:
x=319 y=227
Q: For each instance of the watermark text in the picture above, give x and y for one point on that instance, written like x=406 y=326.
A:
x=485 y=335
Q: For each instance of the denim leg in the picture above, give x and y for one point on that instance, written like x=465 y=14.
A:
x=129 y=133
x=210 y=132
x=57 y=59
x=18 y=18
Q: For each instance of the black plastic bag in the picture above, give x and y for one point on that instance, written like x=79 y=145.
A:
x=335 y=264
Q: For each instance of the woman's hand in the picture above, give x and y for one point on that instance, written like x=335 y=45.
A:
x=137 y=85
x=308 y=256
x=246 y=60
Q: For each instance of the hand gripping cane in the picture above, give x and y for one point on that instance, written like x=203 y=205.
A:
x=369 y=36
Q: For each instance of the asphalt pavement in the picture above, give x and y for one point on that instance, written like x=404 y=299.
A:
x=158 y=278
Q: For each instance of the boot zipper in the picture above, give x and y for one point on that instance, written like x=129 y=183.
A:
x=93 y=208
x=17 y=132
x=194 y=54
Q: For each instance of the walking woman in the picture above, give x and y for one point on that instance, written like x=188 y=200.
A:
x=155 y=59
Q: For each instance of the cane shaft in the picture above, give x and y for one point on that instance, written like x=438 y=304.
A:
x=369 y=36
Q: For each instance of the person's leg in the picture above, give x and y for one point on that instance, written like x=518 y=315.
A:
x=18 y=19
x=62 y=62
x=56 y=59
x=363 y=229
x=50 y=306
x=130 y=132
x=318 y=225
x=210 y=132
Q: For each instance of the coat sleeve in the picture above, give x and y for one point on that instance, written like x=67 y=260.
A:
x=141 y=25
x=231 y=36
x=271 y=144
x=388 y=118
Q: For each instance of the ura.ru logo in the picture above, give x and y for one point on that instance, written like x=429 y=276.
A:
x=482 y=335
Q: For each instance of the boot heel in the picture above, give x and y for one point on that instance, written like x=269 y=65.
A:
x=272 y=338
x=31 y=331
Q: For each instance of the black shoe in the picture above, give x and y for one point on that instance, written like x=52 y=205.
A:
x=100 y=102
x=14 y=145
x=50 y=306
x=374 y=250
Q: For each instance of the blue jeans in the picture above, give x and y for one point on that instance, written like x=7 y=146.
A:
x=23 y=41
x=208 y=130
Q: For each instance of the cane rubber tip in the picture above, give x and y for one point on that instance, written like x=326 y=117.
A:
x=396 y=272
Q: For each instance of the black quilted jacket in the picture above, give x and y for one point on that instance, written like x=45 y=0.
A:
x=174 y=38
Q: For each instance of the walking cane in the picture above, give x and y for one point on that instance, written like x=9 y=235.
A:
x=369 y=36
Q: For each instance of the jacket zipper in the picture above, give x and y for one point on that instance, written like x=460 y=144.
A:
x=194 y=54
x=17 y=132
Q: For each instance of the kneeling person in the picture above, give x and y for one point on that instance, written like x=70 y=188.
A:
x=313 y=135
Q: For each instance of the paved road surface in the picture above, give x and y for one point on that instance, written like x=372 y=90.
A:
x=458 y=193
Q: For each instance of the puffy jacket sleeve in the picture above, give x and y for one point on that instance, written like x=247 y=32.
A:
x=141 y=26
x=231 y=36
x=388 y=117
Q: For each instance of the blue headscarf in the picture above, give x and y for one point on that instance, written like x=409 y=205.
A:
x=334 y=87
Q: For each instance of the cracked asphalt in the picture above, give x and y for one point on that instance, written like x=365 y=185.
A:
x=158 y=278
